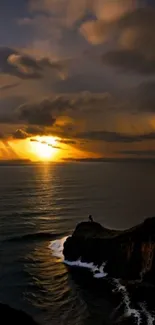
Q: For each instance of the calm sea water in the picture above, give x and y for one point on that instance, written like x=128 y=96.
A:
x=40 y=203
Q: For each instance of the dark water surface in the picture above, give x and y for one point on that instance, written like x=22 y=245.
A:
x=41 y=203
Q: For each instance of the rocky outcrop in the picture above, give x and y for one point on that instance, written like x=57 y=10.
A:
x=13 y=316
x=129 y=254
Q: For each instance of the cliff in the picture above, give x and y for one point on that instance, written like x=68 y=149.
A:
x=128 y=254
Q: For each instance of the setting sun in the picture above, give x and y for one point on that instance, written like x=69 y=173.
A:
x=43 y=151
x=45 y=148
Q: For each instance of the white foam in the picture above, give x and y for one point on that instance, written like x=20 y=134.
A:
x=129 y=310
x=150 y=318
x=57 y=247
x=98 y=272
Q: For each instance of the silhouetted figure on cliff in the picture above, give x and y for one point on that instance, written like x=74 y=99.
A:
x=91 y=218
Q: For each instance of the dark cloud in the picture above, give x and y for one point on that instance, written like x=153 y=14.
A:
x=99 y=159
x=35 y=130
x=37 y=114
x=70 y=116
x=20 y=134
x=144 y=97
x=8 y=106
x=44 y=113
x=67 y=141
x=138 y=153
x=136 y=31
x=9 y=86
x=46 y=143
x=105 y=136
x=131 y=61
x=54 y=146
x=23 y=66
x=135 y=50
x=34 y=140
x=108 y=136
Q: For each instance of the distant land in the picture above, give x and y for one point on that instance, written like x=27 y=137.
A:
x=103 y=159
x=15 y=162
x=18 y=162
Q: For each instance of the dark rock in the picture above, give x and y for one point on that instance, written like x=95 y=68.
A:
x=128 y=254
x=16 y=317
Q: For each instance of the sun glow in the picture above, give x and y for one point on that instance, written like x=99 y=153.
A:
x=45 y=148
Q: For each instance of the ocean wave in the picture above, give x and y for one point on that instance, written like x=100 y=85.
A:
x=41 y=236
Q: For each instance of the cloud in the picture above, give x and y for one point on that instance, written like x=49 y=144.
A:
x=136 y=32
x=46 y=143
x=86 y=116
x=67 y=12
x=33 y=115
x=41 y=113
x=20 y=134
x=135 y=48
x=95 y=32
x=128 y=31
x=8 y=106
x=67 y=141
x=32 y=131
x=1 y=135
x=109 y=136
x=70 y=11
x=138 y=153
x=54 y=146
x=108 y=13
x=37 y=114
x=144 y=97
x=129 y=61
x=35 y=130
x=9 y=86
x=26 y=67
x=34 y=140
x=44 y=113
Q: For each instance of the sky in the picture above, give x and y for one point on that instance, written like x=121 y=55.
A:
x=77 y=79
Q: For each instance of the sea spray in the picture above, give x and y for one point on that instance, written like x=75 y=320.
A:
x=57 y=247
x=129 y=311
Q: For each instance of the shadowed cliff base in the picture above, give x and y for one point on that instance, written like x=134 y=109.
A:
x=14 y=316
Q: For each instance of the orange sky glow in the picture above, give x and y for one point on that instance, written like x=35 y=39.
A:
x=77 y=80
x=40 y=148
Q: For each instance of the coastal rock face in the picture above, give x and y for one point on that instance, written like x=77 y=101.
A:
x=10 y=315
x=128 y=254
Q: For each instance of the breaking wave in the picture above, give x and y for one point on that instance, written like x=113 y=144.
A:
x=43 y=236
x=57 y=247
x=98 y=272
x=137 y=311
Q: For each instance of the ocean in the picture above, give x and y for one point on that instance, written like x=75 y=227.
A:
x=41 y=203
